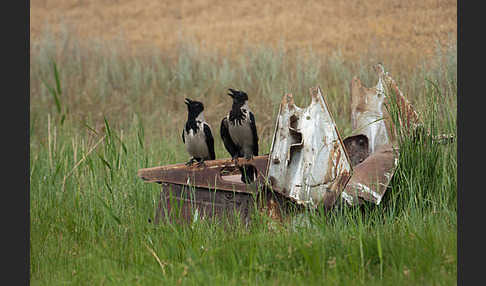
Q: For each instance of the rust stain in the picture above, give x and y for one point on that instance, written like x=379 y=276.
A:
x=336 y=153
x=209 y=175
x=410 y=118
x=370 y=178
x=328 y=177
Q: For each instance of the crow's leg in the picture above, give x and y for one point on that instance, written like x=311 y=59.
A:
x=191 y=161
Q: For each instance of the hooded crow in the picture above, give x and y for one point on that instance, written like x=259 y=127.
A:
x=239 y=133
x=197 y=135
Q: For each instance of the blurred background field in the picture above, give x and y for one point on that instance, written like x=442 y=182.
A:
x=121 y=69
x=123 y=57
x=409 y=30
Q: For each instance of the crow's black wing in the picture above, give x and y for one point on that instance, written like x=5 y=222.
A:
x=254 y=133
x=209 y=141
x=228 y=143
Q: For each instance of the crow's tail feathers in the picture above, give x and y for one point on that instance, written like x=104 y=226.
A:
x=248 y=174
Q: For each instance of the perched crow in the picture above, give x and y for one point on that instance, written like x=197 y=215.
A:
x=239 y=133
x=197 y=135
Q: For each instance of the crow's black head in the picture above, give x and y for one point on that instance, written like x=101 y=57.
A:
x=194 y=108
x=238 y=96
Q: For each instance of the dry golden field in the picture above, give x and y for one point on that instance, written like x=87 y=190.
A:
x=409 y=30
x=129 y=72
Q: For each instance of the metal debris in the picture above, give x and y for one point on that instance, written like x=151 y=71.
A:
x=369 y=113
x=213 y=189
x=214 y=174
x=357 y=148
x=373 y=125
x=308 y=162
x=371 y=177
x=185 y=203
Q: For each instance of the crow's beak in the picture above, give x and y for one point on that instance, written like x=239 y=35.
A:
x=231 y=93
x=187 y=101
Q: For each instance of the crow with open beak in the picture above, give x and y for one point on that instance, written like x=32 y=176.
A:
x=239 y=133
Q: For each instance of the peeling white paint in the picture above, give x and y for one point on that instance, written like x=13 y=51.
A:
x=307 y=153
x=370 y=121
x=366 y=189
x=348 y=198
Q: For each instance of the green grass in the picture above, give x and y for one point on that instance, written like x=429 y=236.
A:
x=89 y=211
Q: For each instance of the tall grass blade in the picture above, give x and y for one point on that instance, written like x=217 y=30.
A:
x=380 y=252
x=56 y=77
x=54 y=95
x=110 y=211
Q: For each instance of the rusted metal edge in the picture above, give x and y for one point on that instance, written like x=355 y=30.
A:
x=371 y=177
x=210 y=175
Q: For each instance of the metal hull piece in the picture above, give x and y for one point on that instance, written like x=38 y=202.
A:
x=182 y=203
x=374 y=169
x=371 y=177
x=220 y=174
x=308 y=162
x=369 y=114
x=212 y=190
x=308 y=165
x=187 y=204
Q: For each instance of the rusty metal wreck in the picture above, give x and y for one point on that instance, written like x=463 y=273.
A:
x=308 y=165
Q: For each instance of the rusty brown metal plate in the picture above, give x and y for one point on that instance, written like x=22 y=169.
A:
x=214 y=174
x=371 y=177
x=182 y=203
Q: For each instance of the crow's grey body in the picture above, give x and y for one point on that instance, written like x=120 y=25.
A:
x=195 y=141
x=239 y=133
